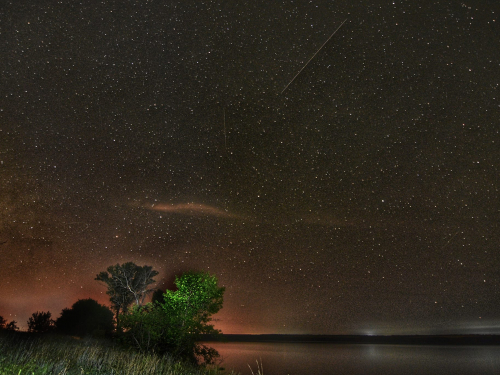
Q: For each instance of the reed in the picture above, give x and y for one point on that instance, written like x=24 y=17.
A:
x=260 y=368
x=24 y=354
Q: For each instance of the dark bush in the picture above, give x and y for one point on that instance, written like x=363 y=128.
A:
x=12 y=326
x=86 y=318
x=40 y=322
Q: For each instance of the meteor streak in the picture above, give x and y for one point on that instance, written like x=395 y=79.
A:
x=300 y=71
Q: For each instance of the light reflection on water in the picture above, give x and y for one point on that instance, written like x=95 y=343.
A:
x=306 y=359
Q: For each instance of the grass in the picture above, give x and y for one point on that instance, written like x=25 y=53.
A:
x=25 y=354
x=260 y=368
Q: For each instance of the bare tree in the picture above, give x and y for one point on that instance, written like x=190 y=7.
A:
x=127 y=283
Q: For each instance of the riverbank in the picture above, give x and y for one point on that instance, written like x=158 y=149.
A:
x=24 y=353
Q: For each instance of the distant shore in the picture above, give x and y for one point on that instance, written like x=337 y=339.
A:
x=362 y=339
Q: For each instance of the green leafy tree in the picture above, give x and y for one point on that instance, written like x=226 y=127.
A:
x=127 y=283
x=145 y=328
x=190 y=308
x=86 y=317
x=176 y=324
x=40 y=322
x=3 y=322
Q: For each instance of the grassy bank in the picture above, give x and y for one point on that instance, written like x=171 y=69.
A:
x=22 y=353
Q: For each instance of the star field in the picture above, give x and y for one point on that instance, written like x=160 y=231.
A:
x=365 y=196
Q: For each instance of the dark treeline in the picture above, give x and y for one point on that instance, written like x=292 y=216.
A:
x=173 y=323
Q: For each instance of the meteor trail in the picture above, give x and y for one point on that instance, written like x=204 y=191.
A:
x=296 y=75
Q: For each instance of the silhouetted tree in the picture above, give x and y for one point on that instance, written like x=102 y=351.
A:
x=86 y=317
x=157 y=296
x=127 y=283
x=40 y=322
x=12 y=326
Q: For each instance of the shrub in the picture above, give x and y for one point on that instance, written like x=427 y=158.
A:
x=40 y=322
x=86 y=317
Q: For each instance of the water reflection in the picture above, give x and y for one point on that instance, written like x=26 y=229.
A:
x=305 y=359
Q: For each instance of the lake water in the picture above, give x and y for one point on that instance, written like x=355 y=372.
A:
x=317 y=359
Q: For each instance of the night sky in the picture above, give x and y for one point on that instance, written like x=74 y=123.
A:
x=364 y=198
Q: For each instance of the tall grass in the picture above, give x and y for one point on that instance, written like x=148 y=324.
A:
x=21 y=353
x=260 y=368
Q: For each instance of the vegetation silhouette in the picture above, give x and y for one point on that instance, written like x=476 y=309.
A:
x=157 y=296
x=41 y=322
x=86 y=318
x=12 y=326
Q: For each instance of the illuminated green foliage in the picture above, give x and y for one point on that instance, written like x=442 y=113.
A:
x=175 y=324
x=189 y=310
x=197 y=298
